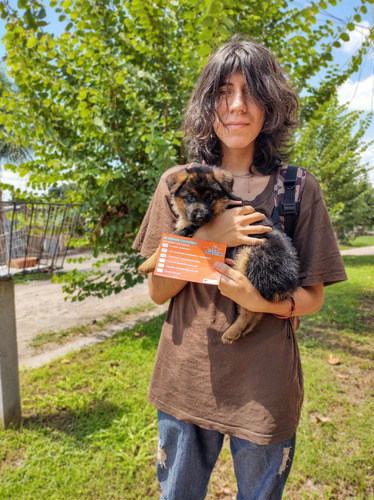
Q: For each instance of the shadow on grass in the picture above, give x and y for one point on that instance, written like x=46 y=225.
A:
x=146 y=335
x=358 y=260
x=333 y=340
x=78 y=424
x=347 y=305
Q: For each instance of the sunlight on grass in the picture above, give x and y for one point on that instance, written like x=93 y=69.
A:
x=358 y=242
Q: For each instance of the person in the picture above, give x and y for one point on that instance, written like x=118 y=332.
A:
x=239 y=118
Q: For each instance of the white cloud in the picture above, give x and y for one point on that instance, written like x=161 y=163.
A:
x=358 y=95
x=356 y=38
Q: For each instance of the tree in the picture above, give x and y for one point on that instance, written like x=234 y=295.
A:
x=331 y=145
x=9 y=149
x=103 y=102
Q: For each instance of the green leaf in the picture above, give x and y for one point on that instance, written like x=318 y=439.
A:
x=98 y=121
x=84 y=113
x=41 y=14
x=66 y=4
x=31 y=42
x=203 y=50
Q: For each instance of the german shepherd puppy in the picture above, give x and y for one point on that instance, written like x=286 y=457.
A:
x=199 y=193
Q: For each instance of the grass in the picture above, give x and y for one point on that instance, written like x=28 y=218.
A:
x=43 y=340
x=25 y=278
x=360 y=241
x=88 y=431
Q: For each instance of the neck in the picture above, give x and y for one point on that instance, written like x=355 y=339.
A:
x=238 y=162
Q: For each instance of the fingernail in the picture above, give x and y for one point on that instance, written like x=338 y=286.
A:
x=218 y=266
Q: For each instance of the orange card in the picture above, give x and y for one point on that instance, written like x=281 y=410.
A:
x=189 y=259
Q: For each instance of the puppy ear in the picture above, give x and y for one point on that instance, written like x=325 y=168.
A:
x=224 y=178
x=174 y=181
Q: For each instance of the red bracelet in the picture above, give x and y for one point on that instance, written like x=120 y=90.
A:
x=293 y=310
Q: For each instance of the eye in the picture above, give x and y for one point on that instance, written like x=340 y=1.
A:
x=190 y=198
x=209 y=198
x=224 y=92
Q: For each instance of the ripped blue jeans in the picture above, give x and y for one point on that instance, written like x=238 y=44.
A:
x=187 y=454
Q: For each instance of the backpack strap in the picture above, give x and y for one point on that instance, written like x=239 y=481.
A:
x=288 y=188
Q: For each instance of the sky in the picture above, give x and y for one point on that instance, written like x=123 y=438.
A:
x=357 y=92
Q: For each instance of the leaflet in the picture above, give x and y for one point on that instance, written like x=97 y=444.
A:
x=189 y=259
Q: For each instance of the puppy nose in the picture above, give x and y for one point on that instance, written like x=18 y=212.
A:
x=199 y=217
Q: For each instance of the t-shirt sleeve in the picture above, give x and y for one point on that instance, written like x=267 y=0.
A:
x=315 y=240
x=158 y=219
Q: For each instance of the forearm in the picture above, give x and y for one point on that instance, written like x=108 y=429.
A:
x=161 y=289
x=308 y=300
x=238 y=288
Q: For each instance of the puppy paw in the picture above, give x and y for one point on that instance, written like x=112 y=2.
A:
x=145 y=268
x=226 y=339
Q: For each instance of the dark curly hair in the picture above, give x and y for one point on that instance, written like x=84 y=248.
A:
x=269 y=89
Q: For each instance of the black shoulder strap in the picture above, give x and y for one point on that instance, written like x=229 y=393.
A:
x=286 y=207
x=290 y=208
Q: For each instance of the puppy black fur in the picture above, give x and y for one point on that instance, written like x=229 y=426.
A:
x=199 y=194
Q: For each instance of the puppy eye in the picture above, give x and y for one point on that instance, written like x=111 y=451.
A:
x=190 y=198
x=209 y=199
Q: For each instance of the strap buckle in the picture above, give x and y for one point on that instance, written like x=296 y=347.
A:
x=289 y=208
x=289 y=183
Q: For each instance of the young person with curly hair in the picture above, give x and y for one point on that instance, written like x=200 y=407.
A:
x=239 y=118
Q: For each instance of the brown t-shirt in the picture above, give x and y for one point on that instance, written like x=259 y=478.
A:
x=253 y=388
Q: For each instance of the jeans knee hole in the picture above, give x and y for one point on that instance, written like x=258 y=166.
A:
x=161 y=457
x=285 y=459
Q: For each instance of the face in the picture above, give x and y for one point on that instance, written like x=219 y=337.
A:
x=199 y=193
x=242 y=118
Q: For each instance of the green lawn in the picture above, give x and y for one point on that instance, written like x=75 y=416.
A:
x=89 y=433
x=360 y=241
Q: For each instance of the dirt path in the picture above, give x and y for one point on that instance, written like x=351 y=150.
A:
x=41 y=308
x=359 y=251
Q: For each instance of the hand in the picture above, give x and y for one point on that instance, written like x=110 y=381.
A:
x=238 y=288
x=234 y=226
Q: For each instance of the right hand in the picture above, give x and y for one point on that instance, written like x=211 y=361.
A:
x=234 y=227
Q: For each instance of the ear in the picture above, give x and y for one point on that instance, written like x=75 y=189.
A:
x=224 y=178
x=174 y=181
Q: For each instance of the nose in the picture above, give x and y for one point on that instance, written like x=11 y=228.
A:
x=238 y=104
x=200 y=215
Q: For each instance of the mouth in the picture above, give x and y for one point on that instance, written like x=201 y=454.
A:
x=236 y=125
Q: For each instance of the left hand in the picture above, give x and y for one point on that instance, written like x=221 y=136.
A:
x=238 y=288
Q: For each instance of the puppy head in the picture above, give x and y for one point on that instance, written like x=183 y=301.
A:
x=199 y=193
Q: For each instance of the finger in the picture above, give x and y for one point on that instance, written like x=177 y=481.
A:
x=258 y=229
x=233 y=203
x=229 y=262
x=247 y=210
x=253 y=217
x=253 y=241
x=226 y=271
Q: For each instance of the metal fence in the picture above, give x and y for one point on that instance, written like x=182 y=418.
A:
x=34 y=237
